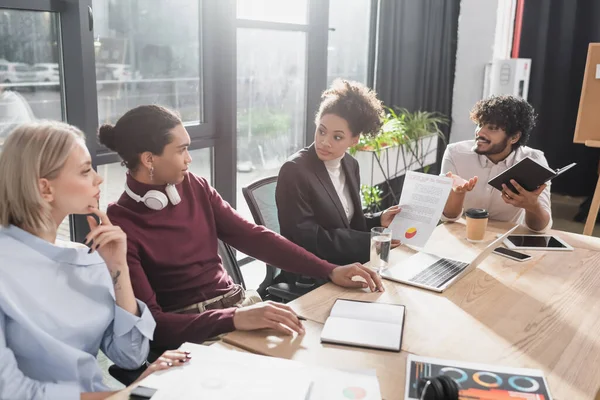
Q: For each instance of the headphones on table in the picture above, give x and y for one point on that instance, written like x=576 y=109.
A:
x=439 y=388
x=155 y=199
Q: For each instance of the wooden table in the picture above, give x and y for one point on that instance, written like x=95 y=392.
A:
x=544 y=313
x=307 y=348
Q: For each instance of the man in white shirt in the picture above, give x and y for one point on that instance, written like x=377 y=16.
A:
x=503 y=127
x=14 y=111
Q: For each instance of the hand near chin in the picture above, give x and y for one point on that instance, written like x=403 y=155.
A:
x=108 y=240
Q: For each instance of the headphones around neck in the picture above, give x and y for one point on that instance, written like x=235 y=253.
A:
x=438 y=388
x=155 y=199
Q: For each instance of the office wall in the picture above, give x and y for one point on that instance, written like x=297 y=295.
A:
x=484 y=33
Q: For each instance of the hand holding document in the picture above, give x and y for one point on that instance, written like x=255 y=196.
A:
x=422 y=201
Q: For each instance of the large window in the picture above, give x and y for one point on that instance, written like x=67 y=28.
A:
x=348 y=47
x=245 y=75
x=147 y=51
x=30 y=73
x=271 y=86
x=290 y=11
x=270 y=102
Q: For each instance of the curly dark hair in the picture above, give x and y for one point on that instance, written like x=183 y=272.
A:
x=355 y=103
x=511 y=114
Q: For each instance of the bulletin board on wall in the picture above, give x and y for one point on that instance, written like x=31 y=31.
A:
x=588 y=116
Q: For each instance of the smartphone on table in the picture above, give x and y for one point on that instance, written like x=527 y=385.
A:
x=512 y=254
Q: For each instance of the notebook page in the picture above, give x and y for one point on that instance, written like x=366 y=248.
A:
x=379 y=335
x=376 y=312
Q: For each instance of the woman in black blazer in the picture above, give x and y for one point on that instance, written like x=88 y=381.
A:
x=318 y=198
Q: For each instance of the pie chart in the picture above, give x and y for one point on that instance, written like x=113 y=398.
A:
x=410 y=233
x=355 y=393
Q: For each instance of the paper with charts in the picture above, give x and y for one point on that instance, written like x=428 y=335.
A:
x=229 y=374
x=479 y=381
x=422 y=201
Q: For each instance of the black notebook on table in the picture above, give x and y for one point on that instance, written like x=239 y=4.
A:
x=527 y=173
x=365 y=324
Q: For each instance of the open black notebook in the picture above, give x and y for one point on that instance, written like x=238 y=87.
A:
x=528 y=173
x=365 y=324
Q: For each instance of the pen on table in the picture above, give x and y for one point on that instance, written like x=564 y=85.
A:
x=301 y=318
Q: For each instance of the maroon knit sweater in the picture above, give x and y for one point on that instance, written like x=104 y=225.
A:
x=173 y=259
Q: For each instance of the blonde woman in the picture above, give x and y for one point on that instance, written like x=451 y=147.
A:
x=61 y=302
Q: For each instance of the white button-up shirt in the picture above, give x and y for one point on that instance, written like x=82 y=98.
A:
x=57 y=309
x=460 y=159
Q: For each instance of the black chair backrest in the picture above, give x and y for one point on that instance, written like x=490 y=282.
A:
x=260 y=196
x=230 y=263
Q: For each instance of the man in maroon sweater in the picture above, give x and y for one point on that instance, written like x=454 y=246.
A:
x=172 y=252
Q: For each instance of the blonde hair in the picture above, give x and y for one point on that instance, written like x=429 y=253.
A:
x=31 y=152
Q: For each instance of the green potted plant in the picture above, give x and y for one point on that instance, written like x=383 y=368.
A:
x=414 y=129
x=407 y=140
x=371 y=198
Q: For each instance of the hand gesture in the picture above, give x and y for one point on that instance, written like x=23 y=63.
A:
x=460 y=185
x=170 y=358
x=342 y=276
x=268 y=314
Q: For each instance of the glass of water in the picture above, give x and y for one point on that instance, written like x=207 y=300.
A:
x=381 y=243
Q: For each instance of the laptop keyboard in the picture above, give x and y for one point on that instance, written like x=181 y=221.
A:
x=439 y=273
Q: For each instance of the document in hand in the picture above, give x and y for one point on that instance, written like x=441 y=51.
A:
x=364 y=324
x=422 y=201
x=527 y=173
x=231 y=375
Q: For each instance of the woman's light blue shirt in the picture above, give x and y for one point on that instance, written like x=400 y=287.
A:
x=57 y=309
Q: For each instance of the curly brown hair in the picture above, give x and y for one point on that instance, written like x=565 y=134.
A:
x=355 y=103
x=509 y=113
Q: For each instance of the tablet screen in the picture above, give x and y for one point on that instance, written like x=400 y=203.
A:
x=535 y=241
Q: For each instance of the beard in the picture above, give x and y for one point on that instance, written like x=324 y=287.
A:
x=493 y=149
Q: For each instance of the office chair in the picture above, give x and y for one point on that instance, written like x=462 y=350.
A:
x=126 y=376
x=260 y=196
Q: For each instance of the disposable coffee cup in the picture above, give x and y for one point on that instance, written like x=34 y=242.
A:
x=477 y=219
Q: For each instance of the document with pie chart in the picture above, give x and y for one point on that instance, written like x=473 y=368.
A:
x=422 y=201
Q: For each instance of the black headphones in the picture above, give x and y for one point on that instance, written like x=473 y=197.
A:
x=438 y=388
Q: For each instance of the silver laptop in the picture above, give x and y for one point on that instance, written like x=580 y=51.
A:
x=435 y=273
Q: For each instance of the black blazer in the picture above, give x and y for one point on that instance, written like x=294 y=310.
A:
x=311 y=214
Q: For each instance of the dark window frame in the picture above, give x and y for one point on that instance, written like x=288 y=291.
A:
x=217 y=64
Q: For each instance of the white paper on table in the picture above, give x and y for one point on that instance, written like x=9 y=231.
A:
x=422 y=201
x=226 y=374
